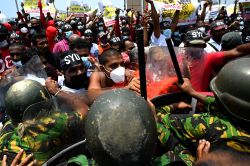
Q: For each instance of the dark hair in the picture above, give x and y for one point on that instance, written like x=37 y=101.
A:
x=37 y=36
x=103 y=58
x=81 y=43
x=122 y=46
x=28 y=54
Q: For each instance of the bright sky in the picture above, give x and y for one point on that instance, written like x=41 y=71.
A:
x=8 y=7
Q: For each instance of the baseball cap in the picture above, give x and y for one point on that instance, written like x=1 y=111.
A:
x=231 y=40
x=195 y=37
x=66 y=27
x=88 y=32
x=217 y=25
x=115 y=40
x=101 y=34
x=69 y=59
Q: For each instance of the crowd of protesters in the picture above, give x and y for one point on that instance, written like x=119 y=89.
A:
x=81 y=55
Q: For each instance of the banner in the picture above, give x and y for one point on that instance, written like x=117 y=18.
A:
x=78 y=8
x=30 y=6
x=187 y=9
x=109 y=15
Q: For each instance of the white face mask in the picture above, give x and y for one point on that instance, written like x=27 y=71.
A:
x=118 y=75
x=17 y=64
x=3 y=44
x=24 y=30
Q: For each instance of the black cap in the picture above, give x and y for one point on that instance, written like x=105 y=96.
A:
x=217 y=25
x=195 y=37
x=69 y=59
x=115 y=40
x=88 y=32
x=66 y=27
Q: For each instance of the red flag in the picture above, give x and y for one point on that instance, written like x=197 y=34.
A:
x=39 y=3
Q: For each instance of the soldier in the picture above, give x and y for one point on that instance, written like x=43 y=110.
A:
x=44 y=135
x=224 y=125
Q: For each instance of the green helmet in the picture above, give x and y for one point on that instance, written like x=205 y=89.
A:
x=120 y=129
x=21 y=95
x=231 y=87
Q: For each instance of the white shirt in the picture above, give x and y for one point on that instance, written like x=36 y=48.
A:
x=67 y=89
x=94 y=50
x=161 y=41
x=210 y=49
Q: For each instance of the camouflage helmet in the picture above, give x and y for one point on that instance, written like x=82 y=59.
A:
x=120 y=129
x=231 y=87
x=21 y=95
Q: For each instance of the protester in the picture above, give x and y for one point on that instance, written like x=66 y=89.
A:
x=74 y=77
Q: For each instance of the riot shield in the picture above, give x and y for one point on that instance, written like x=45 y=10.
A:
x=161 y=75
x=33 y=70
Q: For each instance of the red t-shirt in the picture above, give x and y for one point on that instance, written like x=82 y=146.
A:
x=203 y=71
x=5 y=60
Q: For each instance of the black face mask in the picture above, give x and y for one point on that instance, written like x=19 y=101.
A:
x=78 y=81
x=36 y=28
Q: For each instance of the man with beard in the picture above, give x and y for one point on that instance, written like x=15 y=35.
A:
x=217 y=30
x=35 y=26
x=75 y=73
x=41 y=48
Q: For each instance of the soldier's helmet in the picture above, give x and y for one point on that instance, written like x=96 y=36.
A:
x=120 y=129
x=21 y=95
x=231 y=87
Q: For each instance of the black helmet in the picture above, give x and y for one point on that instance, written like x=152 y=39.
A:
x=231 y=87
x=120 y=129
x=21 y=95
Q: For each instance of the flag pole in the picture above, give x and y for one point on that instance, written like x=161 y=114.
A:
x=17 y=8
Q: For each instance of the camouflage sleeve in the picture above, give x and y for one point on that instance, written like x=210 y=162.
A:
x=49 y=135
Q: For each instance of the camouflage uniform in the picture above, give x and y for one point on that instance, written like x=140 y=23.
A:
x=181 y=133
x=44 y=137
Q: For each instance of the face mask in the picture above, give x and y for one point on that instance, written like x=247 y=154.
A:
x=79 y=81
x=202 y=29
x=118 y=75
x=167 y=33
x=68 y=34
x=3 y=44
x=24 y=30
x=86 y=62
x=36 y=28
x=17 y=64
